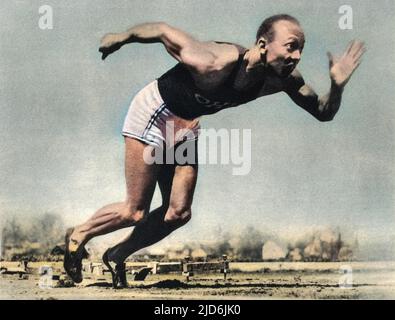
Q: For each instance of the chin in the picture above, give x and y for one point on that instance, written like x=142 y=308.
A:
x=279 y=72
x=286 y=73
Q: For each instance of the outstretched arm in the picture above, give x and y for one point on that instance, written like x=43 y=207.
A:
x=325 y=108
x=172 y=38
x=199 y=56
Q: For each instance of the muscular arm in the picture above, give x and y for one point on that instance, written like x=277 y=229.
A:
x=325 y=108
x=200 y=56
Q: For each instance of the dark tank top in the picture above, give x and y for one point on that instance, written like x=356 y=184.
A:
x=186 y=100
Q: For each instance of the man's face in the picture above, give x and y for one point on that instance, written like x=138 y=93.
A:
x=284 y=51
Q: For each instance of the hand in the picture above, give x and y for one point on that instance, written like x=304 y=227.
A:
x=110 y=43
x=342 y=68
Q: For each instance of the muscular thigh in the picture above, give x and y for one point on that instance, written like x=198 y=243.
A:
x=140 y=176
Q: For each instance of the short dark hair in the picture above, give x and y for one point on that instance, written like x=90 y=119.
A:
x=266 y=28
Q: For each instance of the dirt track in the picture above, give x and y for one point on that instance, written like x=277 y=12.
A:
x=247 y=281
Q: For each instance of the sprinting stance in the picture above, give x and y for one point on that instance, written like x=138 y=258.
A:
x=209 y=77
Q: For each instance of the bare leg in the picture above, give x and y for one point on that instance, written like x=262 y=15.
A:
x=140 y=182
x=177 y=184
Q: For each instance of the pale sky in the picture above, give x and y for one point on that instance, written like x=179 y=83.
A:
x=62 y=110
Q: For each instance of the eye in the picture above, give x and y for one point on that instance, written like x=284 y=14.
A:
x=292 y=46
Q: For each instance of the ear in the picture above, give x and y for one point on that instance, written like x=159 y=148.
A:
x=262 y=45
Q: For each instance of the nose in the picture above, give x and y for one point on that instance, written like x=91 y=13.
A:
x=296 y=55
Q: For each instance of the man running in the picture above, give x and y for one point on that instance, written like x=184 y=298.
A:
x=209 y=77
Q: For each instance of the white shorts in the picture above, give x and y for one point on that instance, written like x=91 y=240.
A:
x=150 y=121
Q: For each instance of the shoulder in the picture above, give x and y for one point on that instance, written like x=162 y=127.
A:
x=215 y=57
x=230 y=46
x=225 y=53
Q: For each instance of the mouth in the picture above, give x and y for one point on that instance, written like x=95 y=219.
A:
x=290 y=66
x=288 y=69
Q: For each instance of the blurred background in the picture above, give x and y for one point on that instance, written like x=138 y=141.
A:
x=62 y=109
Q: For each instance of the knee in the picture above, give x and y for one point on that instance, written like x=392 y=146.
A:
x=131 y=215
x=178 y=214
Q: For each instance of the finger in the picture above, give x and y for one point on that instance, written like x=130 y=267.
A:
x=356 y=67
x=349 y=47
x=104 y=54
x=361 y=50
x=357 y=46
x=356 y=49
x=331 y=59
x=351 y=73
x=360 y=53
